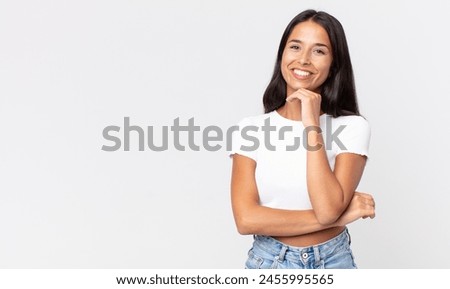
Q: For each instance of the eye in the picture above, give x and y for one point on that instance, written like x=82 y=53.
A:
x=319 y=51
x=294 y=47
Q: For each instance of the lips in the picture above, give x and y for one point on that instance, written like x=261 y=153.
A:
x=302 y=73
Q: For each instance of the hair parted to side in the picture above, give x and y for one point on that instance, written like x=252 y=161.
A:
x=338 y=91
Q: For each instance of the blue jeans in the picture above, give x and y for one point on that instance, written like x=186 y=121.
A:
x=269 y=253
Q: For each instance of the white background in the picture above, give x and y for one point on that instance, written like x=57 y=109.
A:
x=70 y=68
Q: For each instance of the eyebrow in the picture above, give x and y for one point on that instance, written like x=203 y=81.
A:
x=315 y=44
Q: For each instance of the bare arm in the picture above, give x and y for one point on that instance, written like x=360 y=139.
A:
x=252 y=218
x=330 y=191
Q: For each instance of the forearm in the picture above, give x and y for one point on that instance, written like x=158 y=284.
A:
x=325 y=192
x=260 y=220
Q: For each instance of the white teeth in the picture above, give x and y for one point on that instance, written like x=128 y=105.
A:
x=301 y=72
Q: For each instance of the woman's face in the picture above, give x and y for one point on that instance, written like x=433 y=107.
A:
x=307 y=57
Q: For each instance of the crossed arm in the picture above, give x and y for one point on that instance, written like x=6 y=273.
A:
x=252 y=218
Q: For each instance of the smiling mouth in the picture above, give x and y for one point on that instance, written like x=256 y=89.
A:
x=302 y=73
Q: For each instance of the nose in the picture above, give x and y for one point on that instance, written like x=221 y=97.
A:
x=304 y=58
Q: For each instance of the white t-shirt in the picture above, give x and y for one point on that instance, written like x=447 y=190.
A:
x=280 y=153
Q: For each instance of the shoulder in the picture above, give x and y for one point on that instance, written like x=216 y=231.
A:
x=350 y=133
x=353 y=120
x=245 y=136
x=351 y=123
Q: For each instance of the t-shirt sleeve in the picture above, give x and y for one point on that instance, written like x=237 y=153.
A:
x=355 y=137
x=244 y=140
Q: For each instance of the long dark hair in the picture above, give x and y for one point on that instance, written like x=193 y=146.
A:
x=338 y=91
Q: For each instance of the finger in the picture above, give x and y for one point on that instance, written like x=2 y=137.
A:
x=369 y=202
x=366 y=195
x=369 y=211
x=304 y=93
x=372 y=215
x=292 y=97
x=307 y=91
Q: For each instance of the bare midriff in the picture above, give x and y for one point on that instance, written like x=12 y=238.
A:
x=311 y=239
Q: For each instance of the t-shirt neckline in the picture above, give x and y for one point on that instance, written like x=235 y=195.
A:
x=291 y=120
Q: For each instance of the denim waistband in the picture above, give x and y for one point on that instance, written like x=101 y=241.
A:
x=293 y=253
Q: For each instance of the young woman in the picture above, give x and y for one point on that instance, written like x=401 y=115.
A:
x=296 y=167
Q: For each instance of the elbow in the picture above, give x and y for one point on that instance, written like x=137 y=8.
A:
x=243 y=230
x=326 y=221
x=327 y=217
x=245 y=226
x=328 y=211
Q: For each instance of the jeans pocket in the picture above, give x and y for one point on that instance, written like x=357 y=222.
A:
x=340 y=259
x=253 y=261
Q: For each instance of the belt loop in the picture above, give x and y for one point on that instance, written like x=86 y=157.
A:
x=282 y=253
x=316 y=254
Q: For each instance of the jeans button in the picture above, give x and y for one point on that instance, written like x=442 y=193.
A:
x=304 y=255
